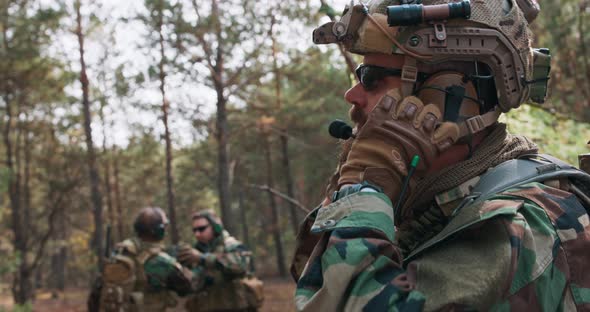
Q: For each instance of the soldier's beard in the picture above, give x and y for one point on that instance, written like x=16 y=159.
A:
x=358 y=116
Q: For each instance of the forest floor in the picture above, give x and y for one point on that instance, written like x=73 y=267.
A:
x=278 y=298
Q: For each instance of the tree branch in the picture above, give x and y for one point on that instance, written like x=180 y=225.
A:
x=281 y=195
x=201 y=39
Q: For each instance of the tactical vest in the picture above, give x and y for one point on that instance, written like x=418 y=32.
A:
x=125 y=282
x=235 y=294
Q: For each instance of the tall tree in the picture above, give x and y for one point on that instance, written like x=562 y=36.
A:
x=26 y=31
x=215 y=61
x=120 y=214
x=157 y=21
x=165 y=107
x=274 y=209
x=284 y=137
x=91 y=154
x=228 y=42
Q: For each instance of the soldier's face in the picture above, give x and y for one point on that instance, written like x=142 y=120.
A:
x=203 y=230
x=362 y=100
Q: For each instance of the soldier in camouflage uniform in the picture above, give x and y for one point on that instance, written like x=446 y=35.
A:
x=139 y=276
x=221 y=268
x=434 y=205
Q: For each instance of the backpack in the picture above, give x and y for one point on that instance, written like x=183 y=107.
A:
x=123 y=279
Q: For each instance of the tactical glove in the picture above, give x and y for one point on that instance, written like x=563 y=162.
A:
x=189 y=256
x=396 y=131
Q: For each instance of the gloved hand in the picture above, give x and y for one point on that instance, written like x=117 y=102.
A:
x=189 y=256
x=396 y=130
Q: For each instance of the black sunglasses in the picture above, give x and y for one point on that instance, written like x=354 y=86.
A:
x=370 y=75
x=200 y=228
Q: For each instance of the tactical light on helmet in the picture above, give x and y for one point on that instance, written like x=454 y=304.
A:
x=413 y=14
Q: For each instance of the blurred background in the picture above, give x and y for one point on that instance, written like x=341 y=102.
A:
x=109 y=106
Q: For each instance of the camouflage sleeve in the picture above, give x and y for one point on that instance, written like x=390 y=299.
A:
x=219 y=267
x=549 y=240
x=355 y=266
x=521 y=250
x=164 y=272
x=234 y=261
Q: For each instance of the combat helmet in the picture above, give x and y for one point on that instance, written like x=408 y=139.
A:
x=489 y=40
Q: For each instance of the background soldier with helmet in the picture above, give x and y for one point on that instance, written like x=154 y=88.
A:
x=223 y=278
x=140 y=276
x=434 y=205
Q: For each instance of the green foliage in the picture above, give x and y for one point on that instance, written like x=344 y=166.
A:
x=563 y=138
x=312 y=82
x=327 y=10
x=121 y=83
x=9 y=263
x=27 y=307
x=4 y=181
x=564 y=28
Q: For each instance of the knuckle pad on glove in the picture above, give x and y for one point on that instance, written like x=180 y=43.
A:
x=409 y=107
x=427 y=118
x=445 y=135
x=388 y=102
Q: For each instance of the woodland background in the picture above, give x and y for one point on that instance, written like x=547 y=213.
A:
x=107 y=107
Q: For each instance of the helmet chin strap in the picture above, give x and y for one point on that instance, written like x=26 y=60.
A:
x=453 y=101
x=409 y=76
x=477 y=123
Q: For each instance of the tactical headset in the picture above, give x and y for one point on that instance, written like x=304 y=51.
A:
x=217 y=228
x=157 y=231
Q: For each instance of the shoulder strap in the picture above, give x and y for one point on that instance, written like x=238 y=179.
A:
x=507 y=175
x=526 y=169
x=141 y=258
x=128 y=246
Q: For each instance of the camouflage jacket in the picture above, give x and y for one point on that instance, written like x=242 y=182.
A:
x=522 y=249
x=225 y=258
x=162 y=272
x=218 y=280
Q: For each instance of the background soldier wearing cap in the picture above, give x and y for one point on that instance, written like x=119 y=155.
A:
x=434 y=205
x=140 y=276
x=221 y=265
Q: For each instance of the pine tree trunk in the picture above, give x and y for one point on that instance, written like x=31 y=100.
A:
x=91 y=154
x=107 y=171
x=26 y=221
x=243 y=216
x=289 y=182
x=118 y=204
x=21 y=287
x=223 y=165
x=284 y=138
x=59 y=270
x=165 y=106
x=26 y=282
x=276 y=233
x=223 y=181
